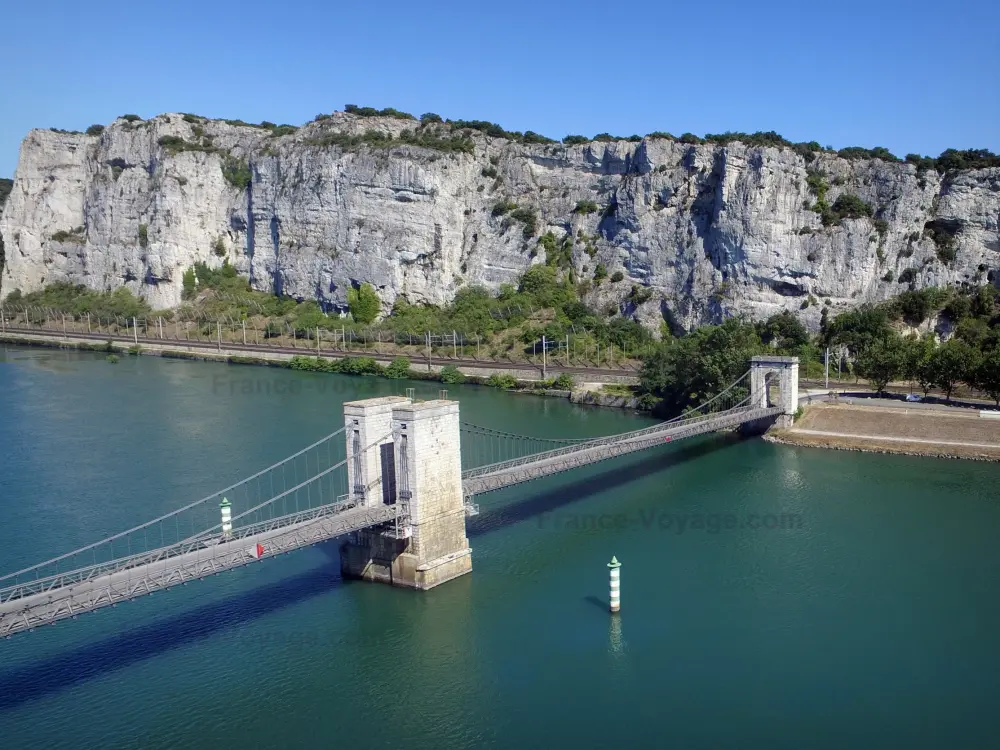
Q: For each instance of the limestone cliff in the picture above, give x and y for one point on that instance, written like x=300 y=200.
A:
x=701 y=230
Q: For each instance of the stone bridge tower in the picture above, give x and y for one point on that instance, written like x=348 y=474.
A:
x=415 y=462
x=767 y=371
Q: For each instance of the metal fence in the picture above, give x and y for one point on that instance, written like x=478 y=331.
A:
x=579 y=348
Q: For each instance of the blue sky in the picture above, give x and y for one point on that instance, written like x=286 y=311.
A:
x=911 y=76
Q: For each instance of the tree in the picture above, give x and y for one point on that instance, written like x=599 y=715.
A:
x=953 y=361
x=988 y=375
x=917 y=365
x=881 y=361
x=189 y=285
x=687 y=371
x=364 y=304
x=784 y=331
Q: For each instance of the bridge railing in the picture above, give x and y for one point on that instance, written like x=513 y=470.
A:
x=251 y=520
x=721 y=402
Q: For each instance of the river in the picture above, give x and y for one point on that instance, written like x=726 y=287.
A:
x=772 y=596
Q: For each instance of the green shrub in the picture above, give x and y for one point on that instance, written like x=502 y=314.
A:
x=189 y=285
x=398 y=369
x=502 y=207
x=143 y=235
x=616 y=277
x=503 y=381
x=564 y=382
x=112 y=358
x=95 y=130
x=130 y=118
x=489 y=172
x=850 y=206
x=237 y=172
x=600 y=272
x=575 y=140
x=430 y=117
x=908 y=276
x=585 y=207
x=451 y=375
x=219 y=247
x=528 y=217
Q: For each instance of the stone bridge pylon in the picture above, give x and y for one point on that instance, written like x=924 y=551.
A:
x=768 y=371
x=418 y=465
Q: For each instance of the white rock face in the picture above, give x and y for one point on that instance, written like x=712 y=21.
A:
x=711 y=230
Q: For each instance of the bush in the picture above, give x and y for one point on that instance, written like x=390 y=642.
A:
x=130 y=118
x=849 y=206
x=616 y=277
x=908 y=276
x=398 y=369
x=575 y=140
x=489 y=172
x=600 y=272
x=502 y=207
x=354 y=109
x=143 y=235
x=237 y=172
x=95 y=130
x=219 y=247
x=112 y=358
x=502 y=381
x=585 y=207
x=528 y=217
x=451 y=375
x=564 y=382
x=429 y=117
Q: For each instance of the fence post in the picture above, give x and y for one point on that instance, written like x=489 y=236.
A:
x=88 y=322
x=135 y=331
x=244 y=323
x=317 y=341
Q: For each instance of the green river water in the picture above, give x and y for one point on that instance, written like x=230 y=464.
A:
x=772 y=596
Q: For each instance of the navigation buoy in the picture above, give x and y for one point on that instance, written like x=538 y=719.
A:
x=615 y=566
x=227 y=517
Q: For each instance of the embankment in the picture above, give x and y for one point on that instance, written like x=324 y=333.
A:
x=945 y=433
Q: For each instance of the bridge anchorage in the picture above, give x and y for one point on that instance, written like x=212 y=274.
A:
x=397 y=481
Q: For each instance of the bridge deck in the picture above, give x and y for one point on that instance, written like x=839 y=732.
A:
x=508 y=473
x=41 y=602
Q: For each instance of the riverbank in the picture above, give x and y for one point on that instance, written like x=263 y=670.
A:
x=910 y=431
x=514 y=379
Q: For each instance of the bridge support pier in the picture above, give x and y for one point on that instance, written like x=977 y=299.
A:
x=424 y=477
x=764 y=370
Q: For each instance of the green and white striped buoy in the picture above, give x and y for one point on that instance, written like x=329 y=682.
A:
x=616 y=601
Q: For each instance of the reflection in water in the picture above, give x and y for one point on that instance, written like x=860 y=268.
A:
x=616 y=643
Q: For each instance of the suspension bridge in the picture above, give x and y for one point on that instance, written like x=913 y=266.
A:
x=398 y=479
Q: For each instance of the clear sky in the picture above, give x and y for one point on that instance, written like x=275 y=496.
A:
x=916 y=76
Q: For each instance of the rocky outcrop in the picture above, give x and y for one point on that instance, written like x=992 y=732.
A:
x=697 y=231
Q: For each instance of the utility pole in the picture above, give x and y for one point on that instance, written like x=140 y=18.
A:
x=317 y=341
x=428 y=335
x=244 y=332
x=454 y=344
x=826 y=373
x=543 y=357
x=218 y=330
x=135 y=331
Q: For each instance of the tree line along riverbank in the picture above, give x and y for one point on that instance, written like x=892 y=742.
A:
x=938 y=339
